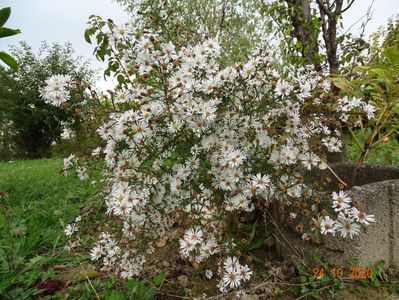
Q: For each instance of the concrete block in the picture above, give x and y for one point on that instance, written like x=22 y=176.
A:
x=381 y=242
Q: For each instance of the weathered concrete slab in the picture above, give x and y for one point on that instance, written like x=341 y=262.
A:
x=380 y=243
x=367 y=174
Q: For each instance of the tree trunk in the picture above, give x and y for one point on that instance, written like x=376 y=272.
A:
x=301 y=19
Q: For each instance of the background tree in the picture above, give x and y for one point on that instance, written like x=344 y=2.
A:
x=237 y=24
x=30 y=125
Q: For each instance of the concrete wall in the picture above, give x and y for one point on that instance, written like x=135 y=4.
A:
x=380 y=243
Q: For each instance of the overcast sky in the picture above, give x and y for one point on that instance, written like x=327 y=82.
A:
x=58 y=21
x=65 y=20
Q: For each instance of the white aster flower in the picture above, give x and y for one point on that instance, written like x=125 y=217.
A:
x=70 y=229
x=195 y=236
x=327 y=225
x=283 y=88
x=96 y=252
x=232 y=278
x=361 y=216
x=346 y=226
x=208 y=274
x=341 y=201
x=261 y=182
x=245 y=272
x=369 y=110
x=231 y=262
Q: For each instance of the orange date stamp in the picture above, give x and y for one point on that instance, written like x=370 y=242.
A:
x=344 y=273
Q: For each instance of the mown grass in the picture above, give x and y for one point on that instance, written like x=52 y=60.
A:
x=36 y=202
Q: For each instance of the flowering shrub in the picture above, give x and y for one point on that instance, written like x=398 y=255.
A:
x=194 y=146
x=56 y=90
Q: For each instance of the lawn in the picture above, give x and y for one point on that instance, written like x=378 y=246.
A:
x=36 y=202
x=386 y=153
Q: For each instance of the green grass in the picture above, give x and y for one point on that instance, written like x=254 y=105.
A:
x=384 y=153
x=36 y=202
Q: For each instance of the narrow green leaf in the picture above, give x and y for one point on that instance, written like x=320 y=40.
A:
x=115 y=295
x=259 y=243
x=4 y=15
x=159 y=279
x=380 y=74
x=5 y=32
x=9 y=60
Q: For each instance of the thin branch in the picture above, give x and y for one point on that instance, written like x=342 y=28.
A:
x=368 y=15
x=355 y=139
x=282 y=33
x=222 y=19
x=349 y=6
x=335 y=174
x=338 y=7
x=324 y=8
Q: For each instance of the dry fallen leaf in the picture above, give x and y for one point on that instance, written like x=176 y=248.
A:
x=162 y=242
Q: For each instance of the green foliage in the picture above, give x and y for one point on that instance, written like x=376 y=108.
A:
x=386 y=152
x=324 y=278
x=377 y=84
x=29 y=125
x=4 y=15
x=136 y=289
x=35 y=203
x=236 y=23
x=311 y=285
x=6 y=32
x=9 y=60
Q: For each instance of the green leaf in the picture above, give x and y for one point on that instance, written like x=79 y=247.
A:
x=257 y=244
x=4 y=15
x=341 y=83
x=131 y=285
x=315 y=294
x=115 y=295
x=376 y=283
x=255 y=258
x=5 y=32
x=149 y=294
x=352 y=262
x=87 y=36
x=120 y=78
x=380 y=74
x=381 y=264
x=35 y=260
x=392 y=54
x=159 y=279
x=9 y=60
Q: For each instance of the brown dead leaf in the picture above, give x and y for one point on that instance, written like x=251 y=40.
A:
x=4 y=194
x=17 y=231
x=162 y=242
x=60 y=267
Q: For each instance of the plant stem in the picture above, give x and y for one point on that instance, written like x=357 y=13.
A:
x=355 y=139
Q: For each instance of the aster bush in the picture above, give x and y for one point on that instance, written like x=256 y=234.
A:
x=191 y=148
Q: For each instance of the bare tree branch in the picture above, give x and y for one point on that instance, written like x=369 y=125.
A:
x=324 y=8
x=368 y=17
x=338 y=7
x=349 y=6
x=221 y=25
